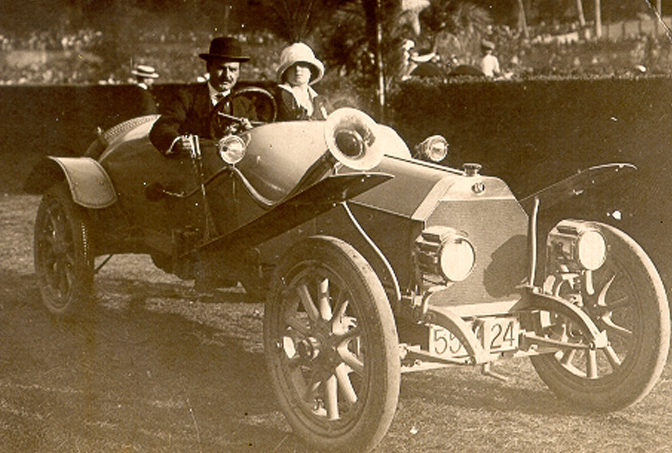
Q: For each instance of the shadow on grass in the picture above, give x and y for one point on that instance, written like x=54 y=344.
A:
x=466 y=388
x=137 y=376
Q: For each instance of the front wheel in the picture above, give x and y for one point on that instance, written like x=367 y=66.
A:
x=331 y=346
x=63 y=253
x=631 y=306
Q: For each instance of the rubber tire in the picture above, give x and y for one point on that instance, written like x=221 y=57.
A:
x=374 y=416
x=644 y=363
x=79 y=288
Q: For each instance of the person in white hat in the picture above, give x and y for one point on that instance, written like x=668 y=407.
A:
x=298 y=70
x=144 y=79
x=144 y=75
x=489 y=62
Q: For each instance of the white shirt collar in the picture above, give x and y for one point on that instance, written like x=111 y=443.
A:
x=288 y=87
x=300 y=98
x=214 y=94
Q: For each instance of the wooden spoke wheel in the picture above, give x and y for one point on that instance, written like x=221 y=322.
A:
x=332 y=347
x=63 y=253
x=630 y=304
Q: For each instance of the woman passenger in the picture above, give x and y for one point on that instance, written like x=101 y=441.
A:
x=297 y=71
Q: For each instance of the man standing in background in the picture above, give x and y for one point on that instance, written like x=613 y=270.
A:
x=489 y=62
x=145 y=76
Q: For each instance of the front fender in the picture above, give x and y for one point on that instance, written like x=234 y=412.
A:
x=315 y=200
x=575 y=185
x=89 y=184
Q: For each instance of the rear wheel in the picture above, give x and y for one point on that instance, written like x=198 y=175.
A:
x=631 y=306
x=331 y=346
x=63 y=253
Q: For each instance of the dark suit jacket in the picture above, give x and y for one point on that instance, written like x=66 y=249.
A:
x=146 y=102
x=189 y=113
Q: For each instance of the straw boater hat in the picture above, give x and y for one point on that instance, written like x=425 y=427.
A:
x=225 y=48
x=489 y=45
x=300 y=53
x=145 y=71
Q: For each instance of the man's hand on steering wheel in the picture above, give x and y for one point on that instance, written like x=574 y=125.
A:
x=246 y=124
x=235 y=124
x=222 y=124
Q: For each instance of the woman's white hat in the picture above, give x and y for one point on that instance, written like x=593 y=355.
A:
x=407 y=44
x=300 y=53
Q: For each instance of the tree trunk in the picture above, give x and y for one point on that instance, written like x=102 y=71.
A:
x=522 y=19
x=380 y=68
x=579 y=11
x=598 y=19
x=227 y=15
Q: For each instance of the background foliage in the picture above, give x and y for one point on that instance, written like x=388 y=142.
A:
x=168 y=33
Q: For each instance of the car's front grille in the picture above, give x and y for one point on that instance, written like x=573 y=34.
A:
x=497 y=228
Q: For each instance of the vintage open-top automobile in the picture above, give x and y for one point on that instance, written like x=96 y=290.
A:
x=371 y=262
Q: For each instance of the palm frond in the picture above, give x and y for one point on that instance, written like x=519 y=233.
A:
x=296 y=20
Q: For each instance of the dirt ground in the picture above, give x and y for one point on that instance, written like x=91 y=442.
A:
x=154 y=369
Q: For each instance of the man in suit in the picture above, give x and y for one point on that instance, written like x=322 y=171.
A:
x=144 y=80
x=189 y=112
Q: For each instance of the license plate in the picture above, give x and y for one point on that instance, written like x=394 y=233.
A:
x=495 y=335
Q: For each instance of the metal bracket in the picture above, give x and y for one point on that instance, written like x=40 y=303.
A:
x=376 y=249
x=418 y=354
x=533 y=298
x=529 y=339
x=445 y=318
x=209 y=228
x=486 y=370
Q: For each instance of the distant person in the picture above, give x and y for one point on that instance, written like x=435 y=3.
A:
x=189 y=112
x=298 y=70
x=405 y=63
x=145 y=76
x=453 y=61
x=489 y=63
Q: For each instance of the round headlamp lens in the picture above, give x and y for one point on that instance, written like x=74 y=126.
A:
x=350 y=143
x=434 y=148
x=232 y=149
x=591 y=250
x=438 y=149
x=457 y=259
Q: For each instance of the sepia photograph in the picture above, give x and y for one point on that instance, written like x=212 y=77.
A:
x=299 y=226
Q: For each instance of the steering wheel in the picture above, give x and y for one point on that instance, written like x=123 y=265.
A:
x=222 y=124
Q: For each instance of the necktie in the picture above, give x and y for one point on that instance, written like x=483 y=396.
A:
x=218 y=97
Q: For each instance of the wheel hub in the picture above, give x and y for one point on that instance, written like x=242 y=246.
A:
x=308 y=348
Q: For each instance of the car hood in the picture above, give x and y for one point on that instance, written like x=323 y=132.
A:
x=279 y=154
x=277 y=157
x=418 y=188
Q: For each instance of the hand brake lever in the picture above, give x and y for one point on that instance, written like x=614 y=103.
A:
x=237 y=119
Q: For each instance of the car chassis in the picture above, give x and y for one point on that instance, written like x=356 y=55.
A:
x=371 y=263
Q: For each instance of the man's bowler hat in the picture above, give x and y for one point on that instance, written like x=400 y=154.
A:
x=225 y=48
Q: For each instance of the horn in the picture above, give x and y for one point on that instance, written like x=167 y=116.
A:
x=350 y=138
